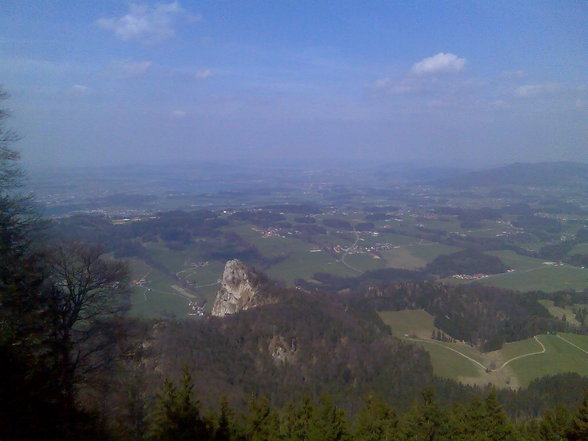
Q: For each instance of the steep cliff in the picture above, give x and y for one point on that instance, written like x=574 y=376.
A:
x=241 y=288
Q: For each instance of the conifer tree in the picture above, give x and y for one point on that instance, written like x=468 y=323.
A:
x=328 y=422
x=225 y=423
x=426 y=421
x=468 y=423
x=262 y=423
x=496 y=425
x=555 y=424
x=177 y=416
x=579 y=429
x=376 y=421
x=296 y=419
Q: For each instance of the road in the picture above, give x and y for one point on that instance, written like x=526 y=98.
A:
x=525 y=355
x=506 y=363
x=352 y=247
x=569 y=342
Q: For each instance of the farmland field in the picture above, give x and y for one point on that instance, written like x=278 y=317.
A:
x=559 y=357
x=516 y=261
x=415 y=255
x=546 y=278
x=303 y=264
x=559 y=312
x=157 y=296
x=503 y=368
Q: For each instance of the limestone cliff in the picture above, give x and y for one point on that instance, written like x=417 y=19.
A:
x=241 y=288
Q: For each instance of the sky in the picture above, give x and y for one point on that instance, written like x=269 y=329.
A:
x=463 y=83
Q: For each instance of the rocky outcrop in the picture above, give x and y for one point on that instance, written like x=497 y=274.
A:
x=241 y=288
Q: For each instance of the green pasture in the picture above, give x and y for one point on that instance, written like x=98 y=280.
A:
x=488 y=228
x=395 y=239
x=559 y=312
x=204 y=275
x=577 y=339
x=409 y=322
x=514 y=349
x=416 y=255
x=545 y=278
x=445 y=224
x=516 y=261
x=157 y=296
x=303 y=264
x=560 y=357
x=364 y=262
x=581 y=248
x=418 y=323
x=270 y=247
x=448 y=364
x=173 y=260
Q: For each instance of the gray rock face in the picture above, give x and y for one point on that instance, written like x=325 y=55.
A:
x=238 y=291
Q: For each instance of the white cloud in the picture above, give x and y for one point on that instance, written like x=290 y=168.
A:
x=534 y=90
x=79 y=90
x=203 y=74
x=440 y=63
x=148 y=23
x=130 y=69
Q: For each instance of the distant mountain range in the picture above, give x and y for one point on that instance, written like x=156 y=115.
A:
x=534 y=174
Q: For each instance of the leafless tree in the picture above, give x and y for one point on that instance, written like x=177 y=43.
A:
x=88 y=293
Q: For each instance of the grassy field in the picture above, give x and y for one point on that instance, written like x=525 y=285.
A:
x=488 y=228
x=415 y=255
x=559 y=357
x=410 y=322
x=364 y=262
x=516 y=261
x=546 y=278
x=303 y=264
x=581 y=248
x=395 y=239
x=559 y=312
x=578 y=340
x=448 y=364
x=502 y=368
x=157 y=297
x=450 y=223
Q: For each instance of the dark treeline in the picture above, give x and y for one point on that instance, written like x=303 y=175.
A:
x=465 y=262
x=178 y=416
x=482 y=316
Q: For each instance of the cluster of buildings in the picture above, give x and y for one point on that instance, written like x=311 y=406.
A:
x=139 y=282
x=469 y=276
x=195 y=309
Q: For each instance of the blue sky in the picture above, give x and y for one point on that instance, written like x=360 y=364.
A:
x=448 y=82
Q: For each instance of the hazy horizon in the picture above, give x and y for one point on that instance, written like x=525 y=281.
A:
x=460 y=84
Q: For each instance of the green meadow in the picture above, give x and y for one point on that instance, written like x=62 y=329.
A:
x=502 y=368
